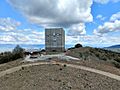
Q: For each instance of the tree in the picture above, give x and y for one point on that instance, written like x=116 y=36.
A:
x=18 y=52
x=78 y=45
x=17 y=49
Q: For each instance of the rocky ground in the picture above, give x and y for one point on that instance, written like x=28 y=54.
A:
x=56 y=77
x=11 y=64
x=100 y=65
x=15 y=63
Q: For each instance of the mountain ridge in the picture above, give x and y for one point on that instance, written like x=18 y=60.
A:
x=114 y=46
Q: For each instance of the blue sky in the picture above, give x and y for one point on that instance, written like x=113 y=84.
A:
x=89 y=22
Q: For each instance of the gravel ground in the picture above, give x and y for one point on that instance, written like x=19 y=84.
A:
x=100 y=65
x=56 y=77
x=11 y=64
x=15 y=63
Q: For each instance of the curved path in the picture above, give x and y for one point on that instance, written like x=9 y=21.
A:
x=14 y=69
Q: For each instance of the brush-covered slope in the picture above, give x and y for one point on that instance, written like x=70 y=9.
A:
x=89 y=53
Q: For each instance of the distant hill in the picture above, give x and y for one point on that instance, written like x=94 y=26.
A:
x=114 y=46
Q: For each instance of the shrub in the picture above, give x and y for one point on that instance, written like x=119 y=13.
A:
x=65 y=65
x=60 y=69
x=11 y=56
x=17 y=49
x=105 y=59
x=18 y=52
x=117 y=59
x=81 y=55
x=43 y=50
x=5 y=57
x=71 y=48
x=116 y=64
x=78 y=45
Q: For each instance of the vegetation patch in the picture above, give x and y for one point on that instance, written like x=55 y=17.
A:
x=89 y=53
x=17 y=53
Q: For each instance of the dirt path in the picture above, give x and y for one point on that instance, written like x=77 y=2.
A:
x=14 y=69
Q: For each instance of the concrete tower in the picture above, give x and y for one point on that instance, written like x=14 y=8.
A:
x=54 y=39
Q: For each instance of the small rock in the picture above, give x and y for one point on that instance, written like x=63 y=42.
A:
x=69 y=85
x=22 y=68
x=20 y=74
x=52 y=79
x=59 y=80
x=58 y=64
x=60 y=69
x=28 y=71
x=78 y=76
x=63 y=83
x=65 y=65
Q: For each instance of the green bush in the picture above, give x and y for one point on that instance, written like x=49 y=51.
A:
x=80 y=55
x=17 y=53
x=116 y=64
x=117 y=59
x=78 y=45
x=103 y=58
x=71 y=48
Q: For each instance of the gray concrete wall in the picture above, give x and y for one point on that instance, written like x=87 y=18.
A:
x=55 y=39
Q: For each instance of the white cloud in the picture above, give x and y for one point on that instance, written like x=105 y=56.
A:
x=111 y=26
x=115 y=17
x=108 y=27
x=102 y=1
x=94 y=40
x=9 y=33
x=55 y=13
x=77 y=30
x=7 y=38
x=72 y=40
x=22 y=38
x=8 y=24
x=106 y=1
x=107 y=34
x=100 y=17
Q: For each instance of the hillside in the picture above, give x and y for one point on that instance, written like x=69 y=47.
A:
x=88 y=53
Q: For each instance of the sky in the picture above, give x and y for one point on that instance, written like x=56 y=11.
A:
x=89 y=22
